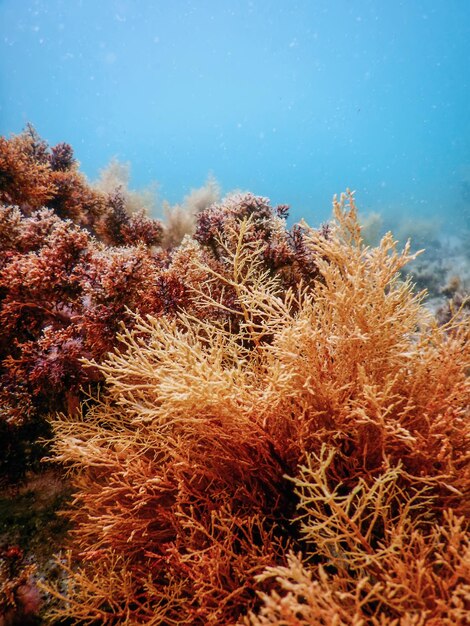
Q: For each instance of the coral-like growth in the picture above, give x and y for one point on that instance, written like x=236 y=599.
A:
x=34 y=175
x=118 y=227
x=299 y=458
x=62 y=297
x=59 y=301
x=25 y=171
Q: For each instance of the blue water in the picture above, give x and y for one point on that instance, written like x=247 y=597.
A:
x=295 y=100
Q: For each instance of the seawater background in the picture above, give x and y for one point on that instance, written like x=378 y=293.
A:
x=294 y=100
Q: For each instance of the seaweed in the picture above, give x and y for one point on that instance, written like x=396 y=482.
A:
x=300 y=458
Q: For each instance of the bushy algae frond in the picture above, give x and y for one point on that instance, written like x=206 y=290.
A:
x=301 y=458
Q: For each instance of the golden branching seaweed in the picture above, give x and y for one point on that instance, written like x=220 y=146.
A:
x=351 y=529
x=327 y=421
x=424 y=581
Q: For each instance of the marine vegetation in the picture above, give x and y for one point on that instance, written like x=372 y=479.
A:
x=67 y=272
x=75 y=259
x=261 y=424
x=289 y=447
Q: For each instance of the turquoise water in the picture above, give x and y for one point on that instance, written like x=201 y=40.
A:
x=294 y=100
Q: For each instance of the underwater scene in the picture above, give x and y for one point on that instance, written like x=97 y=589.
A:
x=235 y=312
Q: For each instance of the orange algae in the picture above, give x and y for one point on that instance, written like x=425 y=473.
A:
x=287 y=449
